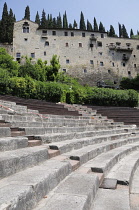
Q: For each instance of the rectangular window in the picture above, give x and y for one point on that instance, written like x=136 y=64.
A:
x=137 y=47
x=91 y=61
x=113 y=64
x=135 y=65
x=129 y=72
x=102 y=35
x=85 y=70
x=18 y=55
x=25 y=39
x=53 y=33
x=101 y=63
x=67 y=44
x=83 y=34
x=66 y=33
x=80 y=44
x=67 y=61
x=44 y=31
x=64 y=70
x=44 y=53
x=32 y=55
x=99 y=44
x=118 y=43
x=100 y=53
x=72 y=33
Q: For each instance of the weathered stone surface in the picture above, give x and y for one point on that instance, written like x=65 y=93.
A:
x=112 y=200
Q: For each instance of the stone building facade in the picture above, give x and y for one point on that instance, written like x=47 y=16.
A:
x=90 y=56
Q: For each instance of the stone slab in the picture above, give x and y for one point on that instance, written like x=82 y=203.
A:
x=111 y=200
x=109 y=183
x=64 y=202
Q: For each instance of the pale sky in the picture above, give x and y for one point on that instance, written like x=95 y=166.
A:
x=109 y=12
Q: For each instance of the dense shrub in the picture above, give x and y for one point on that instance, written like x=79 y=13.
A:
x=110 y=97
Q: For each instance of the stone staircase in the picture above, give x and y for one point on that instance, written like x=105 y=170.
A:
x=58 y=162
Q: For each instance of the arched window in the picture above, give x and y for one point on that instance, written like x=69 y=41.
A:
x=25 y=27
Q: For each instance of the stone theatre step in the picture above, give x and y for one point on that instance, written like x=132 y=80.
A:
x=76 y=192
x=124 y=170
x=16 y=160
x=108 y=199
x=104 y=162
x=13 y=143
x=68 y=145
x=89 y=152
x=59 y=137
x=25 y=189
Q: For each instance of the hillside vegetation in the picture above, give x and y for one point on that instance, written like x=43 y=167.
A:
x=45 y=82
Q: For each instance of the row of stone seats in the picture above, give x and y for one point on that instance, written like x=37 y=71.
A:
x=42 y=106
x=59 y=174
x=127 y=115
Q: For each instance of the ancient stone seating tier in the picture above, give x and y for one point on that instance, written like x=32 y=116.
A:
x=127 y=115
x=82 y=161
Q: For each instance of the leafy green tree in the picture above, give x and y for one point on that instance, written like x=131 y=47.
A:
x=4 y=81
x=65 y=21
x=37 y=18
x=95 y=25
x=82 y=22
x=89 y=26
x=52 y=70
x=101 y=27
x=6 y=62
x=27 y=13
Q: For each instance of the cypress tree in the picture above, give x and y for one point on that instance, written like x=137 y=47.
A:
x=89 y=26
x=131 y=33
x=43 y=20
x=120 y=30
x=95 y=25
x=50 y=22
x=59 y=21
x=4 y=24
x=124 y=32
x=82 y=22
x=70 y=26
x=11 y=20
x=111 y=32
x=27 y=13
x=54 y=23
x=37 y=18
x=101 y=27
x=65 y=21
x=75 y=25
